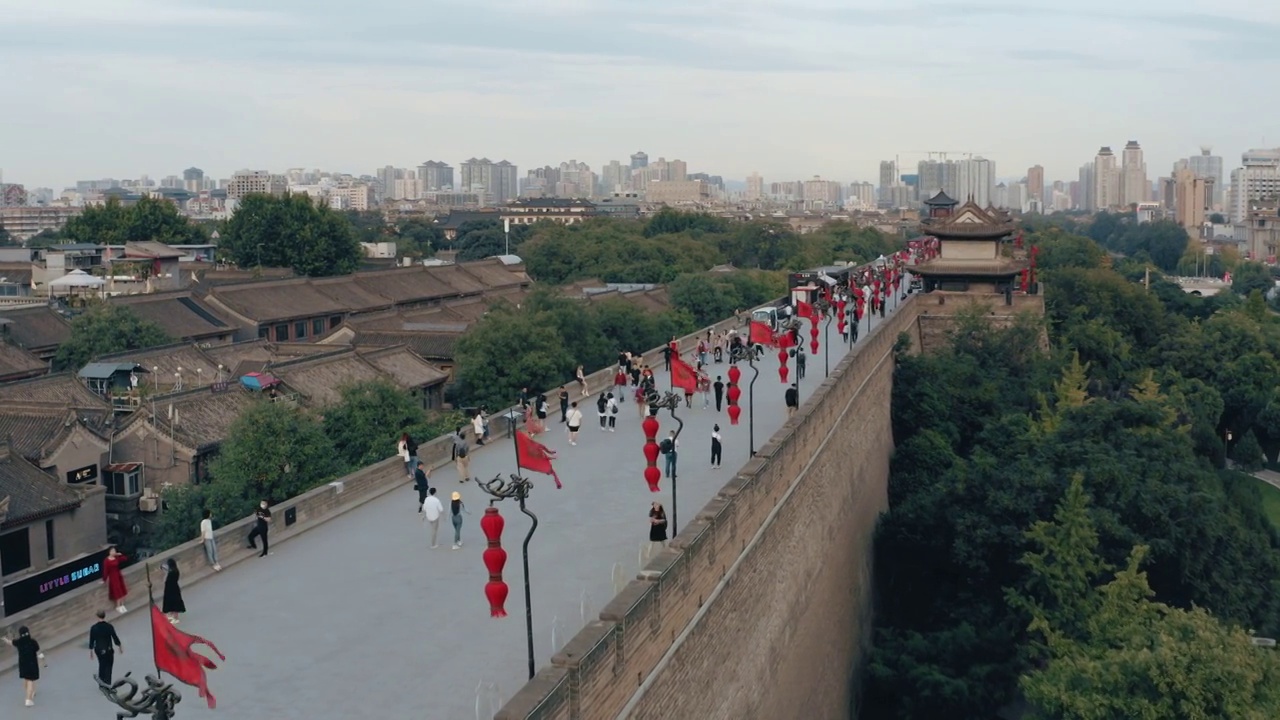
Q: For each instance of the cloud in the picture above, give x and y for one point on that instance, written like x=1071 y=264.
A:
x=131 y=13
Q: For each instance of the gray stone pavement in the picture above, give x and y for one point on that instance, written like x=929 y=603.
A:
x=359 y=618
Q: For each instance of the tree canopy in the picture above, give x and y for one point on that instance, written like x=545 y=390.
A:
x=291 y=231
x=103 y=329
x=148 y=219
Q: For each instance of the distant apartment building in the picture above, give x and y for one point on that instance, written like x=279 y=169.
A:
x=13 y=195
x=193 y=179
x=1107 y=193
x=357 y=196
x=26 y=222
x=755 y=187
x=888 y=179
x=1258 y=179
x=935 y=175
x=1191 y=199
x=821 y=194
x=498 y=181
x=1035 y=182
x=405 y=188
x=1135 y=188
x=614 y=178
x=975 y=178
x=1209 y=166
x=256 y=182
x=861 y=196
x=639 y=159
x=789 y=191
x=576 y=180
x=528 y=211
x=1262 y=232
x=677 y=192
x=435 y=176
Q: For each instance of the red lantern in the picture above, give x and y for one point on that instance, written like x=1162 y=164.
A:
x=813 y=335
x=495 y=558
x=734 y=374
x=782 y=365
x=735 y=410
x=651 y=473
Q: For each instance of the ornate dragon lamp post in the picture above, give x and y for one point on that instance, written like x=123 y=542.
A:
x=495 y=557
x=824 y=306
x=156 y=700
x=670 y=401
x=745 y=352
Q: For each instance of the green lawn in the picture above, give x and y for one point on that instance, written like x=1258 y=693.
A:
x=1270 y=501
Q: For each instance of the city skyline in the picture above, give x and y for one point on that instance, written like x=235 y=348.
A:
x=355 y=88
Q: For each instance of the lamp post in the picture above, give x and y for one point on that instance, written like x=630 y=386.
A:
x=745 y=352
x=825 y=307
x=671 y=401
x=156 y=699
x=517 y=487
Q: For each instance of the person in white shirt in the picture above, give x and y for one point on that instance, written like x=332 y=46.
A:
x=477 y=426
x=612 y=406
x=574 y=421
x=431 y=512
x=210 y=545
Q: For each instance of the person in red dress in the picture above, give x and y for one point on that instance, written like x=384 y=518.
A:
x=111 y=575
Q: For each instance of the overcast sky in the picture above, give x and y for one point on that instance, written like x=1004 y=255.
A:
x=791 y=88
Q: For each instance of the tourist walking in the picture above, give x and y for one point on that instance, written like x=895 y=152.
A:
x=534 y=421
x=716 y=448
x=718 y=388
x=800 y=364
x=574 y=421
x=667 y=351
x=461 y=452
x=260 y=529
x=669 y=447
x=642 y=402
x=172 y=604
x=29 y=661
x=792 y=397
x=602 y=410
x=477 y=427
x=210 y=544
x=103 y=642
x=704 y=387
x=564 y=404
x=657 y=523
x=114 y=578
x=541 y=412
x=620 y=382
x=611 y=407
x=431 y=512
x=421 y=483
x=582 y=381
x=456 y=509
x=409 y=453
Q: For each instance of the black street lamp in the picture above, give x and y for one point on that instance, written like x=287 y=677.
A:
x=825 y=307
x=156 y=700
x=670 y=401
x=748 y=353
x=517 y=487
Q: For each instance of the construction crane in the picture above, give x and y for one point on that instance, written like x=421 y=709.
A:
x=942 y=154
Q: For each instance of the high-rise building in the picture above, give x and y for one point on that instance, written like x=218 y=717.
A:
x=888 y=179
x=755 y=187
x=434 y=176
x=936 y=175
x=576 y=181
x=1258 y=179
x=1106 y=181
x=498 y=180
x=1209 y=166
x=1035 y=182
x=976 y=180
x=614 y=177
x=861 y=196
x=1085 y=189
x=1191 y=198
x=1135 y=188
x=639 y=160
x=256 y=182
x=821 y=194
x=193 y=179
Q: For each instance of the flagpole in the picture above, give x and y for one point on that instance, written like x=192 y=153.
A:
x=151 y=603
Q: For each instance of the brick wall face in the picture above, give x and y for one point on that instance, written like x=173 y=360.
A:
x=937 y=311
x=757 y=607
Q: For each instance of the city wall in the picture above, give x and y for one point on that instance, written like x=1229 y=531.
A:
x=938 y=309
x=67 y=618
x=760 y=607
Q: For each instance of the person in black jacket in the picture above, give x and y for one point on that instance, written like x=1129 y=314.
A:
x=421 y=483
x=103 y=642
x=792 y=397
x=29 y=660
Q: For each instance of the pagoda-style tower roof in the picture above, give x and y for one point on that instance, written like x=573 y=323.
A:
x=942 y=199
x=969 y=222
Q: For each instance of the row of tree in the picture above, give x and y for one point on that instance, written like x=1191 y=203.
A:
x=1062 y=534
x=276 y=451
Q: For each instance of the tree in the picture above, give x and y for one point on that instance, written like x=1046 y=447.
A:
x=291 y=231
x=104 y=329
x=508 y=350
x=147 y=220
x=418 y=237
x=366 y=423
x=1217 y=219
x=1250 y=276
x=45 y=238
x=1248 y=452
x=1059 y=249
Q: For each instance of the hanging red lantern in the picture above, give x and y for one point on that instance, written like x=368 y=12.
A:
x=495 y=558
x=813 y=335
x=782 y=365
x=651 y=472
x=733 y=393
x=734 y=374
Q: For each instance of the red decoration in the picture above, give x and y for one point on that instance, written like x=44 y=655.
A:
x=840 y=317
x=813 y=334
x=495 y=558
x=733 y=393
x=782 y=365
x=734 y=374
x=173 y=653
x=651 y=472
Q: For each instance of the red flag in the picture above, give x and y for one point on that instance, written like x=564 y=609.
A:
x=174 y=654
x=761 y=334
x=533 y=455
x=804 y=309
x=683 y=375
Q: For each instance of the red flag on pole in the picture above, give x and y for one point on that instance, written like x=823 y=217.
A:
x=804 y=309
x=683 y=375
x=761 y=334
x=174 y=654
x=533 y=455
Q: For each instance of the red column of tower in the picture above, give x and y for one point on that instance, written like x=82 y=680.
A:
x=651 y=472
x=733 y=393
x=495 y=558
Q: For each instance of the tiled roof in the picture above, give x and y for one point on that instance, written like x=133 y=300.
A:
x=450 y=276
x=236 y=356
x=181 y=315
x=318 y=379
x=150 y=249
x=204 y=418
x=35 y=328
x=35 y=428
x=19 y=273
x=434 y=346
x=32 y=493
x=406 y=368
x=354 y=296
x=62 y=389
x=18 y=363
x=493 y=273
x=405 y=285
x=162 y=364
x=276 y=300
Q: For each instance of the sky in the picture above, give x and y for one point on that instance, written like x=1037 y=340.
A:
x=788 y=88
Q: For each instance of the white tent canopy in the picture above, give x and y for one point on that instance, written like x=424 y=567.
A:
x=77 y=279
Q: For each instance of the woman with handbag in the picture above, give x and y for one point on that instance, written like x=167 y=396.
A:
x=29 y=661
x=611 y=405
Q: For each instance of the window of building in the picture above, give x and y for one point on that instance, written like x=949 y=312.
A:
x=9 y=290
x=334 y=321
x=282 y=333
x=264 y=333
x=317 y=326
x=15 y=551
x=300 y=329
x=124 y=484
x=48 y=540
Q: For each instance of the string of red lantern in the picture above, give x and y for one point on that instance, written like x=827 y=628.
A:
x=733 y=393
x=651 y=472
x=495 y=558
